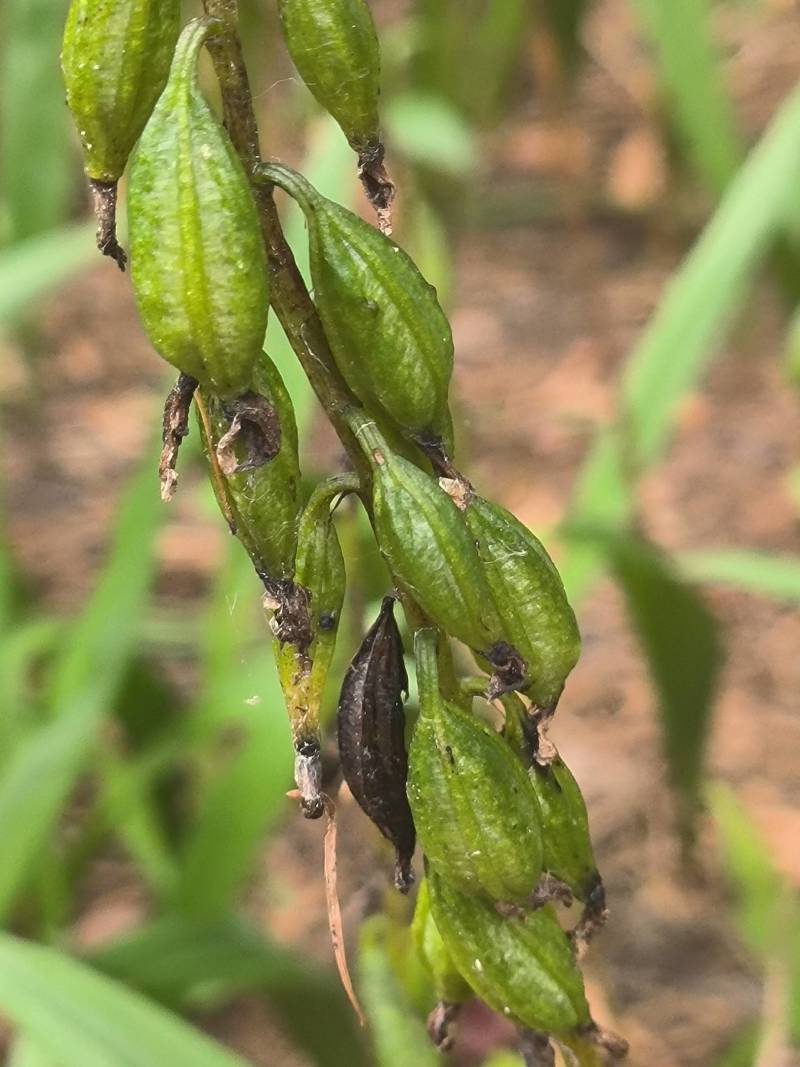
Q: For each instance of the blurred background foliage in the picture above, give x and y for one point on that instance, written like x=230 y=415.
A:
x=144 y=756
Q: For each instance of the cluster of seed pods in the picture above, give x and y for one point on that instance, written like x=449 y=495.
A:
x=500 y=819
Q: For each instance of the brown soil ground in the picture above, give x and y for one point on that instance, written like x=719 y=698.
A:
x=547 y=308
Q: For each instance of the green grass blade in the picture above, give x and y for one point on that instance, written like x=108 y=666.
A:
x=692 y=78
x=398 y=1036
x=26 y=1053
x=34 y=785
x=35 y=154
x=33 y=268
x=769 y=575
x=184 y=963
x=245 y=797
x=84 y=1019
x=682 y=643
x=684 y=334
x=99 y=645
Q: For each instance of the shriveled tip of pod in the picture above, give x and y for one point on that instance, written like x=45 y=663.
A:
x=371 y=724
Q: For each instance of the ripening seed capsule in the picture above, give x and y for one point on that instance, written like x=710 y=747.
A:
x=529 y=596
x=264 y=498
x=473 y=804
x=390 y=339
x=334 y=46
x=197 y=258
x=422 y=536
x=448 y=983
x=115 y=59
x=303 y=668
x=371 y=724
x=521 y=966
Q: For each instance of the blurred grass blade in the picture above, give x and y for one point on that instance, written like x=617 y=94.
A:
x=31 y=269
x=35 y=171
x=26 y=1053
x=398 y=1035
x=20 y=651
x=193 y=964
x=564 y=18
x=743 y=1050
x=107 y=630
x=767 y=916
x=683 y=334
x=242 y=799
x=759 y=891
x=427 y=129
x=682 y=643
x=34 y=785
x=691 y=75
x=769 y=575
x=84 y=1019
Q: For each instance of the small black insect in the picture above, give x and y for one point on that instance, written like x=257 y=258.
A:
x=372 y=747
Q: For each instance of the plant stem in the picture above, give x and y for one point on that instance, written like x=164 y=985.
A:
x=289 y=296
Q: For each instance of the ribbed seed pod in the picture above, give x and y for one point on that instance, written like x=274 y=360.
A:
x=389 y=337
x=565 y=828
x=334 y=46
x=372 y=749
x=303 y=667
x=264 y=498
x=521 y=966
x=197 y=258
x=448 y=983
x=115 y=59
x=422 y=536
x=529 y=596
x=473 y=804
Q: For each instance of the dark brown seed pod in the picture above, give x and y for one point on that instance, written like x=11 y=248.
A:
x=372 y=747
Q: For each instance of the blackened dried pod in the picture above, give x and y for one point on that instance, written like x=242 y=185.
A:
x=389 y=336
x=475 y=810
x=522 y=966
x=371 y=724
x=529 y=596
x=264 y=498
x=303 y=667
x=198 y=263
x=422 y=536
x=115 y=58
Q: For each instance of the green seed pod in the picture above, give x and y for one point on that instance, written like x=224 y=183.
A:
x=389 y=337
x=115 y=58
x=565 y=828
x=197 y=258
x=530 y=599
x=334 y=46
x=264 y=498
x=303 y=667
x=448 y=983
x=522 y=967
x=474 y=807
x=426 y=544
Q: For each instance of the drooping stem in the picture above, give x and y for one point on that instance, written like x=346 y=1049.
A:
x=289 y=296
